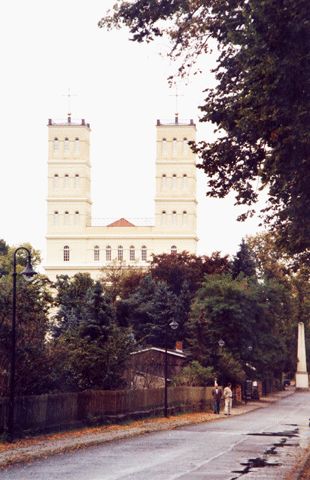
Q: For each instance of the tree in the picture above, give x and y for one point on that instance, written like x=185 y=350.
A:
x=243 y=263
x=32 y=324
x=260 y=104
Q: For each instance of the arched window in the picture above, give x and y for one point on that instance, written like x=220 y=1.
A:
x=174 y=147
x=143 y=253
x=164 y=147
x=56 y=180
x=55 y=145
x=96 y=253
x=76 y=146
x=66 y=180
x=76 y=217
x=108 y=253
x=164 y=217
x=184 y=181
x=66 y=145
x=120 y=253
x=185 y=146
x=184 y=217
x=76 y=180
x=66 y=218
x=56 y=217
x=66 y=253
x=173 y=249
x=164 y=181
x=132 y=253
x=174 y=181
x=174 y=217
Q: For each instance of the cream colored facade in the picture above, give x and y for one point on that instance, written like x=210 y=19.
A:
x=75 y=245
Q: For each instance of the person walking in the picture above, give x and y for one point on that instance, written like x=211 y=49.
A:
x=228 y=399
x=217 y=395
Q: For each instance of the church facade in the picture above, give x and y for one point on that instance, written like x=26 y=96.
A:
x=75 y=245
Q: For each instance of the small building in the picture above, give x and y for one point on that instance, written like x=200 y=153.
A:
x=146 y=367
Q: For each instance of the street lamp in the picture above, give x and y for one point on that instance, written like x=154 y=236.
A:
x=27 y=273
x=173 y=325
x=221 y=343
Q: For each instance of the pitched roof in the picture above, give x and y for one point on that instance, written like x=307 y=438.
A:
x=122 y=222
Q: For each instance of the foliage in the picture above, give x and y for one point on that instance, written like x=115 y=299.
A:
x=244 y=314
x=176 y=268
x=32 y=324
x=260 y=110
x=120 y=281
x=195 y=375
x=90 y=350
x=243 y=263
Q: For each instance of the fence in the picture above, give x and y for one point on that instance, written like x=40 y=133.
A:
x=58 y=411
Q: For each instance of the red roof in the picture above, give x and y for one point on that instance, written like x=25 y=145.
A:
x=122 y=222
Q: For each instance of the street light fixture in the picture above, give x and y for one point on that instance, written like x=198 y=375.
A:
x=221 y=343
x=173 y=325
x=28 y=274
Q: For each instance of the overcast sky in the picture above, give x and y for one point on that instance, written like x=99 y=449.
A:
x=121 y=89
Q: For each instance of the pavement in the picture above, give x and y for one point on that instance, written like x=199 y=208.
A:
x=33 y=448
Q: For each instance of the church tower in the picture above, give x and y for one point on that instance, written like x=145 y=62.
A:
x=175 y=201
x=69 y=177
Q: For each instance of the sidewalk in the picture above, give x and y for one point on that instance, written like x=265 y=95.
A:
x=33 y=448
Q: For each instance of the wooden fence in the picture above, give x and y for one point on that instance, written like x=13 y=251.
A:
x=39 y=413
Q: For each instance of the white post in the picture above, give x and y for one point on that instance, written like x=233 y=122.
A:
x=302 y=379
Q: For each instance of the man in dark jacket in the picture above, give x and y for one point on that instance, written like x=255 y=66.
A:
x=217 y=395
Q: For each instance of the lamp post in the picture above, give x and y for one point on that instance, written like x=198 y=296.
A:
x=27 y=273
x=173 y=325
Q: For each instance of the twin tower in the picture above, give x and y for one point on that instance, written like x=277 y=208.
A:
x=75 y=245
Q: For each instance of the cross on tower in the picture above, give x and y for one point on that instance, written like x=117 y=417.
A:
x=176 y=95
x=69 y=95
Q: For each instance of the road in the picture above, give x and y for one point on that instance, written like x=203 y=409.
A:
x=262 y=444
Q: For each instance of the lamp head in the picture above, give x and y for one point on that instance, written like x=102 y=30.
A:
x=28 y=272
x=174 y=325
x=221 y=343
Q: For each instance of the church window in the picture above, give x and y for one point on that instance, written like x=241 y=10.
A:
x=163 y=217
x=66 y=145
x=184 y=217
x=185 y=146
x=174 y=181
x=174 y=147
x=76 y=217
x=108 y=253
x=96 y=253
x=56 y=217
x=174 y=217
x=164 y=147
x=55 y=144
x=66 y=180
x=56 y=180
x=77 y=146
x=132 y=254
x=143 y=253
x=164 y=181
x=120 y=253
x=184 y=181
x=66 y=253
x=173 y=249
x=76 y=180
x=67 y=218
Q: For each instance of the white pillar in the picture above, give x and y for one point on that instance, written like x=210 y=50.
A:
x=302 y=379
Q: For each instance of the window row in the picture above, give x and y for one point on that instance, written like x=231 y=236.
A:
x=68 y=218
x=175 y=147
x=67 y=145
x=174 y=181
x=66 y=180
x=119 y=253
x=174 y=217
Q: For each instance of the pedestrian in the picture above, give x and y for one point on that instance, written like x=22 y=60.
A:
x=217 y=395
x=228 y=399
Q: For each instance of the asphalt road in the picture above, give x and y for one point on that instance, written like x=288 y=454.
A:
x=263 y=444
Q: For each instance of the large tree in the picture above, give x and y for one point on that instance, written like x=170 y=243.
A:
x=260 y=105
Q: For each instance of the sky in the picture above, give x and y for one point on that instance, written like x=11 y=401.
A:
x=120 y=88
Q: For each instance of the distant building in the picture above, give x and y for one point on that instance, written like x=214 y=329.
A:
x=75 y=245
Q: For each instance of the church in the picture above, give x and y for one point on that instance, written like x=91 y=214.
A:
x=75 y=244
